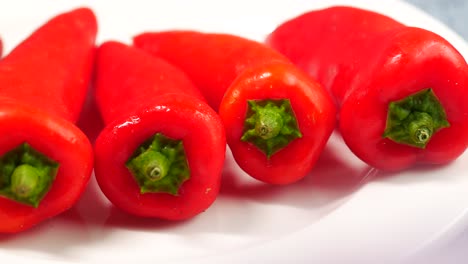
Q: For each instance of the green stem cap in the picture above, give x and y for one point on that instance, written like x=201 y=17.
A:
x=270 y=125
x=159 y=165
x=26 y=175
x=414 y=119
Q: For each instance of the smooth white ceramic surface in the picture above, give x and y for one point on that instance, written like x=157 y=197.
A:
x=343 y=212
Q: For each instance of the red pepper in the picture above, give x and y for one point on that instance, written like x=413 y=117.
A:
x=163 y=148
x=277 y=119
x=402 y=91
x=45 y=160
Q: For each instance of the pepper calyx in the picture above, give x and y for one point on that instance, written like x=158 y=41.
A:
x=270 y=125
x=159 y=165
x=414 y=119
x=26 y=175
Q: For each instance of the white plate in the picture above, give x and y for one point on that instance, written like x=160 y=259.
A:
x=343 y=211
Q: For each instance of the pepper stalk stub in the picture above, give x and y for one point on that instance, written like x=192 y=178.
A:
x=415 y=119
x=159 y=165
x=270 y=125
x=26 y=175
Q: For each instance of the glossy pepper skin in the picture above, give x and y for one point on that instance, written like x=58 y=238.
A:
x=369 y=62
x=233 y=72
x=139 y=95
x=43 y=83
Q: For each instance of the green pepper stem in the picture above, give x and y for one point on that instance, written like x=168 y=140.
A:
x=155 y=165
x=422 y=135
x=159 y=165
x=24 y=180
x=414 y=119
x=421 y=128
x=270 y=125
x=26 y=175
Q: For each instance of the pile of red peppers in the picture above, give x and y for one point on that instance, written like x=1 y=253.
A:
x=172 y=101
